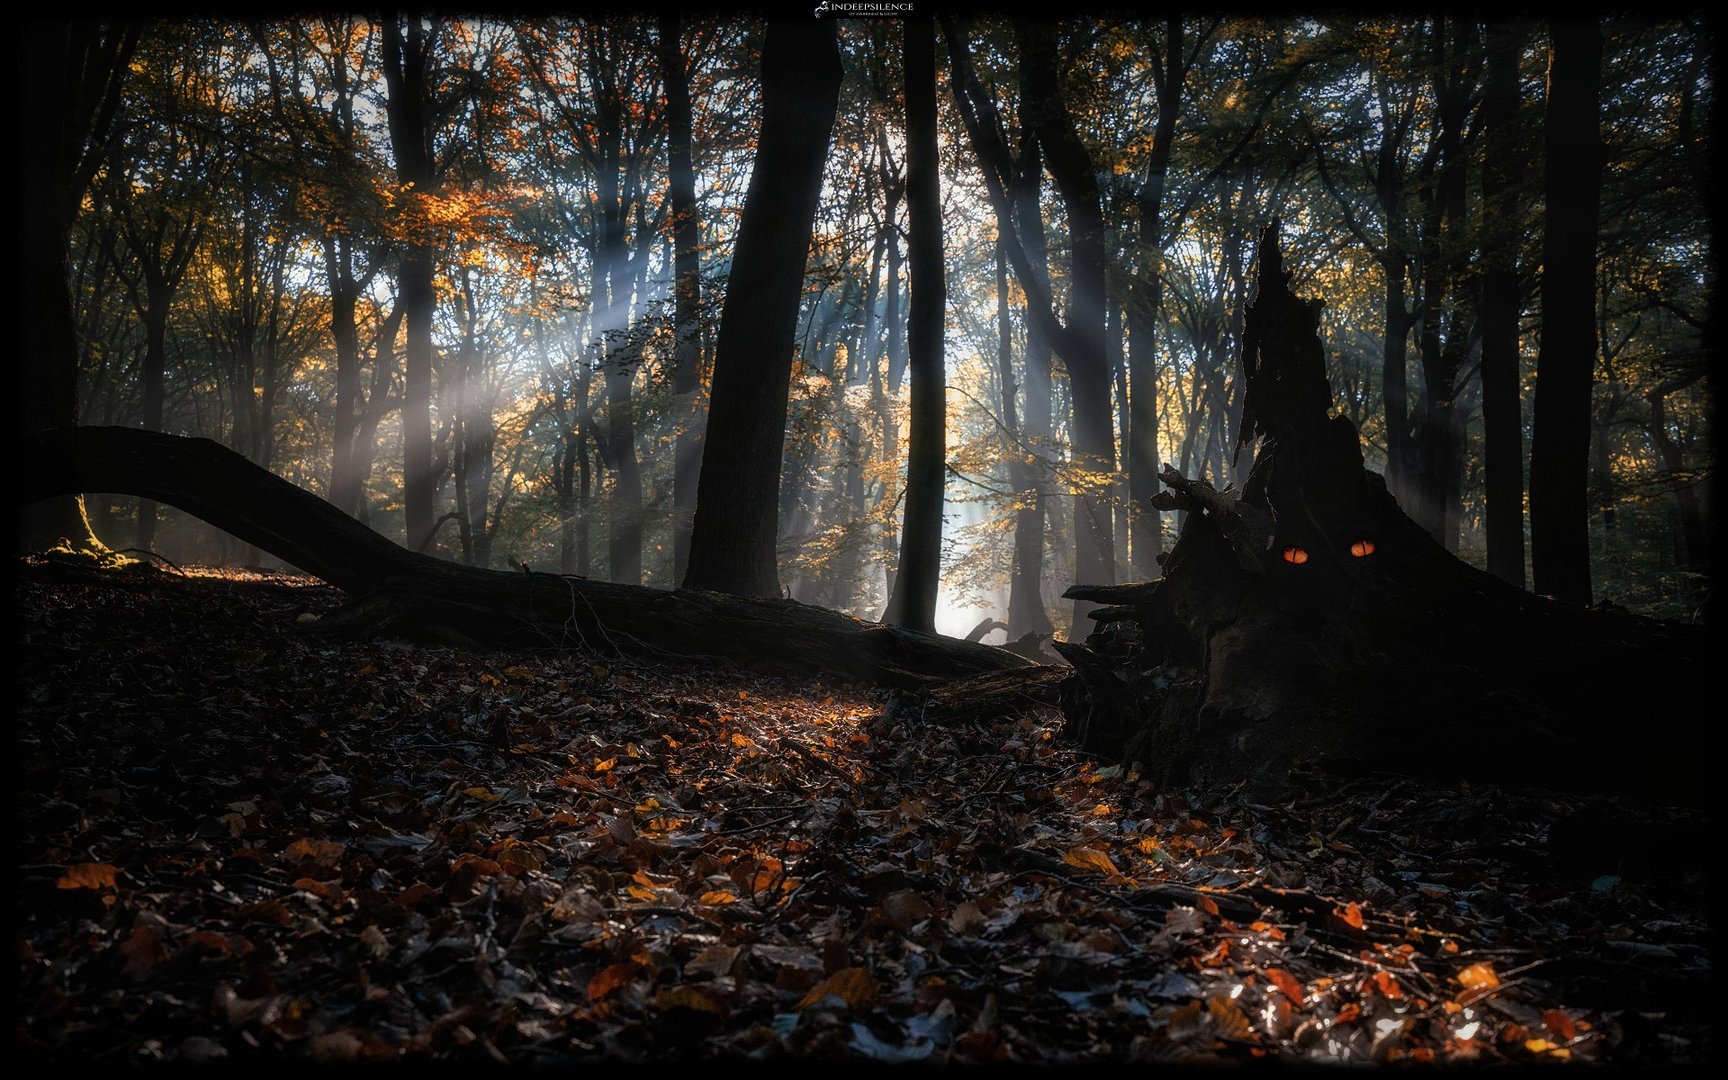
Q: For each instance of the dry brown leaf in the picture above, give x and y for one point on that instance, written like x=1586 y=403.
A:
x=1231 y=1020
x=685 y=996
x=518 y=858
x=904 y=909
x=966 y=918
x=1388 y=985
x=87 y=876
x=716 y=960
x=609 y=979
x=145 y=952
x=1087 y=858
x=1286 y=983
x=1560 y=1024
x=306 y=849
x=854 y=985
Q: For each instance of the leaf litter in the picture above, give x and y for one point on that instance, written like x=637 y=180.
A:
x=241 y=841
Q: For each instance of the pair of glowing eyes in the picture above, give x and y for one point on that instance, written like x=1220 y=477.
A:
x=1361 y=549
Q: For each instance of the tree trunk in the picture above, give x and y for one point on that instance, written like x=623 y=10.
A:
x=1307 y=621
x=1566 y=353
x=686 y=290
x=913 y=602
x=1088 y=369
x=732 y=538
x=406 y=75
x=406 y=593
x=1144 y=312
x=1502 y=399
x=77 y=70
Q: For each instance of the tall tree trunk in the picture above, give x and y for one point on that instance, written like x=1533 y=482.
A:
x=153 y=377
x=686 y=290
x=1502 y=400
x=732 y=538
x=1566 y=354
x=913 y=602
x=408 y=111
x=1144 y=310
x=71 y=73
x=1088 y=369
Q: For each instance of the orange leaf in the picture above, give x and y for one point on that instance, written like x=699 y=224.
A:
x=306 y=849
x=609 y=979
x=854 y=985
x=1388 y=985
x=605 y=766
x=1206 y=904
x=685 y=996
x=1479 y=977
x=1560 y=1024
x=1232 y=1022
x=1286 y=983
x=1351 y=915
x=518 y=858
x=145 y=951
x=716 y=896
x=1349 y=1012
x=1086 y=858
x=90 y=875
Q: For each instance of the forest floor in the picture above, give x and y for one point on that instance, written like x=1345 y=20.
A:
x=242 y=843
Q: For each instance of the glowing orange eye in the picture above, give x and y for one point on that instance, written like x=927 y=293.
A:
x=1362 y=548
x=1296 y=555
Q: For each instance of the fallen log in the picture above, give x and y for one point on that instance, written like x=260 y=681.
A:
x=399 y=592
x=1305 y=620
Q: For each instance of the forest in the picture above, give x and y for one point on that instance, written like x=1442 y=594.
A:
x=873 y=535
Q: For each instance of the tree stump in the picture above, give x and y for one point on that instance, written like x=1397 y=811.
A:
x=1305 y=620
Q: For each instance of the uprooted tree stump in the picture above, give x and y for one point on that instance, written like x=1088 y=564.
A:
x=396 y=592
x=1304 y=620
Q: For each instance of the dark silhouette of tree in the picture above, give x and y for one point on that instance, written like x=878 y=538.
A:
x=1566 y=354
x=1502 y=399
x=79 y=69
x=1070 y=165
x=732 y=541
x=407 y=46
x=913 y=602
x=686 y=288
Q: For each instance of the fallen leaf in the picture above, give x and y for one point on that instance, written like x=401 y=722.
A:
x=854 y=985
x=609 y=979
x=716 y=896
x=685 y=996
x=715 y=960
x=966 y=918
x=1479 y=976
x=905 y=909
x=145 y=952
x=1086 y=858
x=1387 y=984
x=1286 y=983
x=518 y=858
x=306 y=849
x=1349 y=1012
x=1352 y=915
x=95 y=875
x=1232 y=1021
x=1560 y=1024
